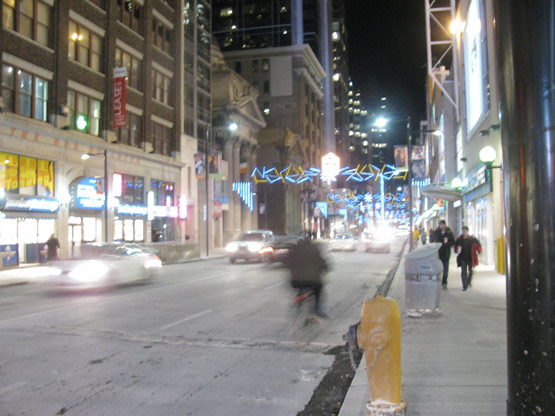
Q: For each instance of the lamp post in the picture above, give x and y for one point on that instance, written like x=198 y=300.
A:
x=86 y=156
x=487 y=156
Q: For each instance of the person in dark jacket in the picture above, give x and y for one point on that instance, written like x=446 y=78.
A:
x=307 y=266
x=469 y=247
x=52 y=245
x=443 y=234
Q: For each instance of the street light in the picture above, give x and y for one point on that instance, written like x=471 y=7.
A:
x=487 y=156
x=86 y=156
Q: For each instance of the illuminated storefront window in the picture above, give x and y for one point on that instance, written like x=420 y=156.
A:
x=26 y=175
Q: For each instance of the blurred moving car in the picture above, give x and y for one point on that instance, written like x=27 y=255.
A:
x=343 y=242
x=377 y=243
x=279 y=248
x=247 y=245
x=104 y=265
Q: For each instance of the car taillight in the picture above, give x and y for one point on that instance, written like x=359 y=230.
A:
x=266 y=250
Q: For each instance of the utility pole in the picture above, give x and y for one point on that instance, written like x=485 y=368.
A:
x=526 y=58
x=409 y=162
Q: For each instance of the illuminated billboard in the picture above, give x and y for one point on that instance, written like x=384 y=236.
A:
x=475 y=64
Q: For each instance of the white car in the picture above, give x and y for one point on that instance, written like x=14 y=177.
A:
x=343 y=242
x=248 y=245
x=104 y=265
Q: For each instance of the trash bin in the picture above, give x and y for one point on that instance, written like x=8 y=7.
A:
x=423 y=273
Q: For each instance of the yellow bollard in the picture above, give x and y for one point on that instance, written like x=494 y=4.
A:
x=379 y=334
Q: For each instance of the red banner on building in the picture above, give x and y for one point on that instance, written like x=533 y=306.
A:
x=119 y=97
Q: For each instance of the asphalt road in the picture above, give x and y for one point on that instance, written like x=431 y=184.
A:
x=207 y=338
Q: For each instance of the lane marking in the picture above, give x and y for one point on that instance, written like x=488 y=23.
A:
x=189 y=318
x=272 y=286
x=115 y=298
x=11 y=387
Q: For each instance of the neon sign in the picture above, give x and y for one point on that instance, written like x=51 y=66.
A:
x=244 y=189
x=362 y=173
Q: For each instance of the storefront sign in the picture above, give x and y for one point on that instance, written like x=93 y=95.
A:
x=31 y=204
x=125 y=209
x=9 y=254
x=217 y=209
x=119 y=97
x=89 y=194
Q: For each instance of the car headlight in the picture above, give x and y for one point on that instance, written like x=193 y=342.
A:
x=232 y=247
x=254 y=247
x=92 y=271
x=153 y=263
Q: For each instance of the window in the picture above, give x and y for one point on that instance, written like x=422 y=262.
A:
x=31 y=18
x=85 y=47
x=133 y=65
x=131 y=134
x=161 y=87
x=132 y=190
x=265 y=64
x=164 y=192
x=162 y=35
x=84 y=113
x=27 y=176
x=266 y=86
x=129 y=13
x=254 y=65
x=238 y=66
x=24 y=93
x=162 y=139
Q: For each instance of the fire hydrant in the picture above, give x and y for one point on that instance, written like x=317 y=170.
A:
x=379 y=334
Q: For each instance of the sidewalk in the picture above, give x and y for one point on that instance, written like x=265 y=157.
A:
x=454 y=362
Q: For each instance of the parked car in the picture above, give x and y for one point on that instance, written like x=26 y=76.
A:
x=104 y=265
x=279 y=248
x=343 y=242
x=247 y=245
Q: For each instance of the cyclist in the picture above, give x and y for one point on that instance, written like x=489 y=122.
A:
x=307 y=265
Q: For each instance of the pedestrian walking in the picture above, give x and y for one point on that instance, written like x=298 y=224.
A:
x=52 y=245
x=469 y=248
x=443 y=234
x=415 y=236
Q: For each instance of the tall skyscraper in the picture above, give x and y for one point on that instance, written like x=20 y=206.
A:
x=241 y=25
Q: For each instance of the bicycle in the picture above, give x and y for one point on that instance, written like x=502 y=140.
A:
x=303 y=314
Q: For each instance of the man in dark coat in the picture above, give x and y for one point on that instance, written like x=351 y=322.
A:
x=443 y=234
x=307 y=265
x=469 y=247
x=52 y=245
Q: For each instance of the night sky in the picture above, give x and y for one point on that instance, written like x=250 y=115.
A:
x=387 y=54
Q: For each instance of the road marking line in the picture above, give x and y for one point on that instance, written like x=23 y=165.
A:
x=7 y=389
x=272 y=286
x=189 y=318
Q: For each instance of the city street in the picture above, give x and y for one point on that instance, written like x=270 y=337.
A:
x=207 y=338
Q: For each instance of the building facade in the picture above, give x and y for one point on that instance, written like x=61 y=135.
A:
x=464 y=108
x=62 y=99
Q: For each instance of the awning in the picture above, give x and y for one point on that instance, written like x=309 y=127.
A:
x=441 y=191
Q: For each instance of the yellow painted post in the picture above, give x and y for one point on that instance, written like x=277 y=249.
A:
x=501 y=255
x=379 y=334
